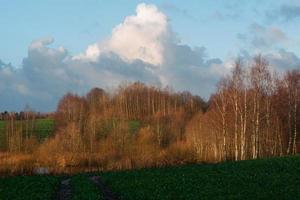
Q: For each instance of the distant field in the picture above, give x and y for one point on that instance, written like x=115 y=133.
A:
x=276 y=178
x=42 y=129
x=2 y=123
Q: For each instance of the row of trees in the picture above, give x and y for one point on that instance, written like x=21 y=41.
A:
x=253 y=114
x=22 y=115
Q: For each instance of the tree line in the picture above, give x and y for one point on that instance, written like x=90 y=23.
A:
x=253 y=114
x=22 y=115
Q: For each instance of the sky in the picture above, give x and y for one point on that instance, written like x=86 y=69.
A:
x=48 y=48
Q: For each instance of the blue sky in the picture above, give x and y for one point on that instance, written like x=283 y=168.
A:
x=48 y=36
x=76 y=23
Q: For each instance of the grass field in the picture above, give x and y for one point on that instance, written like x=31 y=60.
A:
x=275 y=178
x=42 y=129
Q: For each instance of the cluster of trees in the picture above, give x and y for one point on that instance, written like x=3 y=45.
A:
x=137 y=125
x=253 y=114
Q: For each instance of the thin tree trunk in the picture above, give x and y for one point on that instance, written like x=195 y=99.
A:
x=295 y=123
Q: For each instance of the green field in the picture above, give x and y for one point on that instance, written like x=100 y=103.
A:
x=276 y=178
x=42 y=129
x=28 y=187
x=84 y=189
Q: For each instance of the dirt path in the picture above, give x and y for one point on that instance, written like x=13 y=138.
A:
x=106 y=191
x=64 y=192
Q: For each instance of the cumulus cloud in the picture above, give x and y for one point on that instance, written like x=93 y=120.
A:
x=141 y=48
x=140 y=36
x=187 y=68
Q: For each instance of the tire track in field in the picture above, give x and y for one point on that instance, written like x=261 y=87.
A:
x=64 y=191
x=106 y=191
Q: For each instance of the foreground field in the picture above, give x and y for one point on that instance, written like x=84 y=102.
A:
x=276 y=178
x=267 y=179
x=28 y=187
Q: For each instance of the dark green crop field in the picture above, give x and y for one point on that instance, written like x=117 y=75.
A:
x=28 y=187
x=84 y=189
x=275 y=178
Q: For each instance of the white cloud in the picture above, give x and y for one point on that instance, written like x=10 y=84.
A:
x=40 y=43
x=140 y=36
